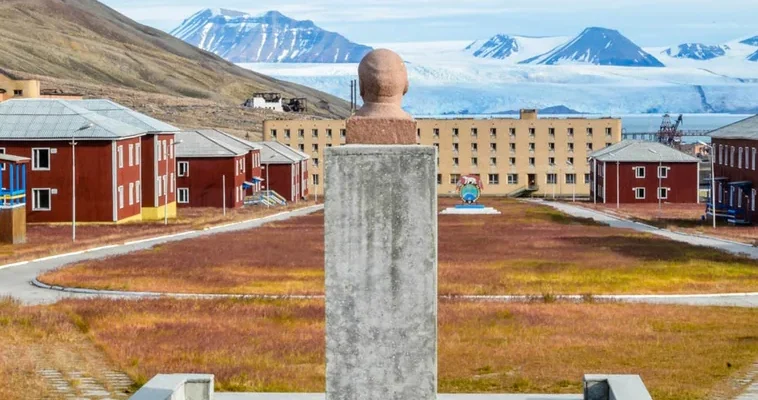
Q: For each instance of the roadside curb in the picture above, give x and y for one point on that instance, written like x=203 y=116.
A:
x=312 y=208
x=499 y=298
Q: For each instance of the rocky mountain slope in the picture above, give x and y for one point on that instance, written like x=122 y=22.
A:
x=89 y=47
x=697 y=51
x=270 y=37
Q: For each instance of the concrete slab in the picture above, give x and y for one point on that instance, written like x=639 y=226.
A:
x=322 y=396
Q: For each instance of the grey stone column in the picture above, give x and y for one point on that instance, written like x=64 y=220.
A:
x=381 y=273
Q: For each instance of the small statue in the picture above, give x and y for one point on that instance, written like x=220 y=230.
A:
x=383 y=83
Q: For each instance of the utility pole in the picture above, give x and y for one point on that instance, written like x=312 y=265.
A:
x=223 y=192
x=73 y=179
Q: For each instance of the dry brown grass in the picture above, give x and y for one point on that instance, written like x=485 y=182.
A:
x=529 y=249
x=34 y=338
x=680 y=217
x=45 y=240
x=681 y=352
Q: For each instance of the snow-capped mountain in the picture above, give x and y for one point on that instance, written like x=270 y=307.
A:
x=753 y=41
x=599 y=46
x=513 y=48
x=499 y=46
x=270 y=37
x=697 y=51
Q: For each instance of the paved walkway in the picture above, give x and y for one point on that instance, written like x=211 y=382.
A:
x=15 y=279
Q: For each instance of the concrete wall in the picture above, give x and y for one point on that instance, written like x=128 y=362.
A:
x=323 y=133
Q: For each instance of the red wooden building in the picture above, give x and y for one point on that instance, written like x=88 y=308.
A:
x=634 y=171
x=215 y=168
x=736 y=171
x=115 y=159
x=285 y=170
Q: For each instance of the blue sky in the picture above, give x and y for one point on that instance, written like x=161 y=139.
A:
x=647 y=22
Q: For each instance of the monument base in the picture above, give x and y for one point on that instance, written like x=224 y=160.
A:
x=470 y=209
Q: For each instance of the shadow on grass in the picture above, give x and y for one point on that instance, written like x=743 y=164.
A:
x=650 y=248
x=557 y=217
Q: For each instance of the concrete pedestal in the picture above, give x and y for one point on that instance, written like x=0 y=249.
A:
x=13 y=225
x=381 y=273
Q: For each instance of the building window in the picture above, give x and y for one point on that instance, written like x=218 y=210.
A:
x=589 y=147
x=587 y=179
x=493 y=161
x=551 y=146
x=137 y=153
x=551 y=161
x=343 y=132
x=474 y=161
x=159 y=191
x=455 y=161
x=137 y=193
x=739 y=159
x=531 y=161
x=18 y=92
x=287 y=134
x=493 y=146
x=755 y=192
x=328 y=133
x=2 y=165
x=731 y=156
x=315 y=162
x=571 y=179
x=301 y=133
x=663 y=193
x=570 y=132
x=120 y=197
x=273 y=133
x=165 y=149
x=608 y=131
x=314 y=147
x=455 y=132
x=754 y=154
x=663 y=172
x=439 y=179
x=183 y=195
x=455 y=147
x=589 y=131
x=183 y=168
x=532 y=132
x=315 y=179
x=40 y=159
x=314 y=133
x=436 y=132
x=301 y=147
x=494 y=179
x=639 y=193
x=570 y=147
x=171 y=183
x=120 y=151
x=513 y=179
x=639 y=172
x=158 y=149
x=493 y=133
x=739 y=198
x=512 y=147
x=552 y=179
x=570 y=160
x=721 y=155
x=474 y=147
x=551 y=132
x=131 y=193
x=131 y=155
x=532 y=146
x=512 y=132
x=474 y=132
x=747 y=157
x=41 y=200
x=454 y=178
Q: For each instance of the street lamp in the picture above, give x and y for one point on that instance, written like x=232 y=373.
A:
x=712 y=150
x=73 y=178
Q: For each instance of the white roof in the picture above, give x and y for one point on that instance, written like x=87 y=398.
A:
x=277 y=153
x=206 y=143
x=641 y=151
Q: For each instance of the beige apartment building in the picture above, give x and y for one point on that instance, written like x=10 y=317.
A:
x=525 y=156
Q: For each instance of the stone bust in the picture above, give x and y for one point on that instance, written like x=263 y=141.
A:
x=383 y=83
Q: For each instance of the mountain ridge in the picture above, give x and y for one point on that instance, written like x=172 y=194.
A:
x=598 y=46
x=269 y=37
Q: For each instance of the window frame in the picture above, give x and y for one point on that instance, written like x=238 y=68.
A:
x=2 y=165
x=182 y=193
x=637 y=173
x=179 y=169
x=495 y=181
x=566 y=177
x=35 y=198
x=662 y=190
x=513 y=181
x=120 y=191
x=35 y=161
x=120 y=155
x=663 y=168
x=637 y=193
x=131 y=193
x=554 y=180
x=137 y=153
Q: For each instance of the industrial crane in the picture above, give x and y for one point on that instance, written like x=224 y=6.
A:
x=669 y=134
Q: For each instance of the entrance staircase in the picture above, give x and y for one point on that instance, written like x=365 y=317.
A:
x=524 y=191
x=267 y=198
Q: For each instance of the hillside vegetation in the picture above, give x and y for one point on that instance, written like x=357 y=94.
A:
x=85 y=46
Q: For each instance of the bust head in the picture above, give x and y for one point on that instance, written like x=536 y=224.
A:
x=383 y=82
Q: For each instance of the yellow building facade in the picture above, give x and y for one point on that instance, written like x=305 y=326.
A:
x=513 y=156
x=24 y=89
